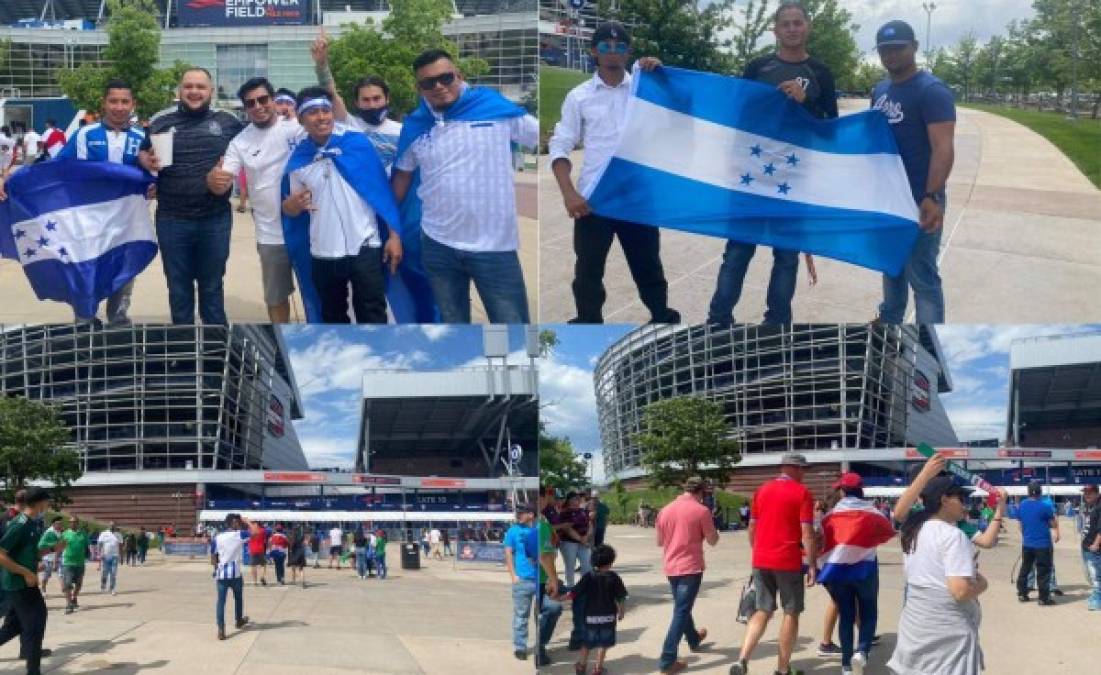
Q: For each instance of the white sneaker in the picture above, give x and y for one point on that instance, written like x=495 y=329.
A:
x=860 y=659
x=846 y=671
x=116 y=593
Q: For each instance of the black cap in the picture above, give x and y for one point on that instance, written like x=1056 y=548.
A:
x=611 y=30
x=942 y=486
x=894 y=33
x=35 y=495
x=1035 y=487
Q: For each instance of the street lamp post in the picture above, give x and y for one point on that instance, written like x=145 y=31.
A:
x=589 y=460
x=1074 y=73
x=928 y=7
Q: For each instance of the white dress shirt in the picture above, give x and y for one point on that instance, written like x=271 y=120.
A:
x=592 y=115
x=467 y=181
x=263 y=154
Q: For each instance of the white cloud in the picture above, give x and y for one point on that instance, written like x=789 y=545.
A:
x=325 y=451
x=975 y=422
x=435 y=332
x=966 y=343
x=568 y=403
x=331 y=363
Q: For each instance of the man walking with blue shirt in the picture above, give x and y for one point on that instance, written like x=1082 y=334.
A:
x=1039 y=533
x=922 y=115
x=520 y=559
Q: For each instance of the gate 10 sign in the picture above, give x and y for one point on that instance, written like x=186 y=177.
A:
x=243 y=12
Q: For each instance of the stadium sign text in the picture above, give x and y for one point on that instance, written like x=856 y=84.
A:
x=243 y=12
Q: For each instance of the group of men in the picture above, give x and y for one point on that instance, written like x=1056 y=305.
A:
x=319 y=184
x=30 y=147
x=918 y=106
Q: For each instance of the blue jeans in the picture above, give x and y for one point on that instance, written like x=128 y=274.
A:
x=194 y=254
x=728 y=287
x=496 y=275
x=549 y=612
x=279 y=559
x=109 y=572
x=685 y=589
x=1092 y=562
x=523 y=593
x=224 y=586
x=852 y=598
x=573 y=553
x=362 y=556
x=922 y=275
x=380 y=565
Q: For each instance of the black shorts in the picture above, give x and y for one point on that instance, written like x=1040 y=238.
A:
x=788 y=584
x=335 y=550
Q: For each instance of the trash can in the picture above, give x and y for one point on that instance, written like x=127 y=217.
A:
x=410 y=556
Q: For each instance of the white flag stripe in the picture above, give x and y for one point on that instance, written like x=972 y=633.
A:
x=847 y=554
x=85 y=232
x=711 y=153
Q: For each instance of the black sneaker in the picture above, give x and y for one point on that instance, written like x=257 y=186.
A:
x=1058 y=592
x=242 y=621
x=875 y=639
x=741 y=667
x=828 y=649
x=543 y=659
x=521 y=654
x=69 y=609
x=1046 y=602
x=1022 y=597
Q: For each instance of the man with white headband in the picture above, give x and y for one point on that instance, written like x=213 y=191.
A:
x=285 y=104
x=262 y=150
x=335 y=180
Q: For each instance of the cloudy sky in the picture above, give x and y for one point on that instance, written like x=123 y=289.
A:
x=978 y=360
x=329 y=362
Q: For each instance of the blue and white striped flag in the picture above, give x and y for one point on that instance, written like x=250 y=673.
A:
x=80 y=229
x=737 y=159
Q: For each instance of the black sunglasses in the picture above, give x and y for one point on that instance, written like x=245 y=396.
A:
x=259 y=100
x=429 y=83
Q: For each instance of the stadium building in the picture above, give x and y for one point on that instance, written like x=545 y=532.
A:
x=227 y=38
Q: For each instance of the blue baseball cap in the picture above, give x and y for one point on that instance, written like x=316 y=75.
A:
x=893 y=34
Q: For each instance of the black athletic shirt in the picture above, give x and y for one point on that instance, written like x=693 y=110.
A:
x=200 y=141
x=1093 y=526
x=602 y=590
x=816 y=78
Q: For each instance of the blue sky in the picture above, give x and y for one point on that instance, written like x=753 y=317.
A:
x=329 y=362
x=978 y=360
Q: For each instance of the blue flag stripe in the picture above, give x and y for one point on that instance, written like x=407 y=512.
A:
x=762 y=110
x=68 y=183
x=640 y=194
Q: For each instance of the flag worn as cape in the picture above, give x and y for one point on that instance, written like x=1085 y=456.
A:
x=850 y=534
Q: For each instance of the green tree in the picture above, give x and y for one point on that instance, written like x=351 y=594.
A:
x=387 y=51
x=548 y=341
x=755 y=21
x=133 y=49
x=963 y=62
x=832 y=41
x=620 y=498
x=678 y=32
x=5 y=53
x=32 y=447
x=560 y=467
x=866 y=77
x=686 y=436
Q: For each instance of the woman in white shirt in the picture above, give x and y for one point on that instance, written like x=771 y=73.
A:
x=939 y=628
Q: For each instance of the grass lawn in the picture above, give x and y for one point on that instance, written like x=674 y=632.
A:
x=554 y=84
x=1080 y=141
x=659 y=498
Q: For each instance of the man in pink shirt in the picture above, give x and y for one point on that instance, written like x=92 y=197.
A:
x=682 y=527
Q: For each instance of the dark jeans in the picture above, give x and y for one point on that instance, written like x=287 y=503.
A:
x=194 y=254
x=592 y=239
x=852 y=598
x=598 y=535
x=496 y=274
x=548 y=611
x=331 y=277
x=26 y=617
x=685 y=589
x=728 y=287
x=1042 y=558
x=238 y=587
x=280 y=560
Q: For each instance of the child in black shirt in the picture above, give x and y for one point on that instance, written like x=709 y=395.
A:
x=604 y=594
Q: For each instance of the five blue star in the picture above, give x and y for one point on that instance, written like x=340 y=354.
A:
x=770 y=168
x=42 y=241
x=746 y=179
x=792 y=159
x=29 y=253
x=755 y=150
x=51 y=225
x=19 y=234
x=784 y=187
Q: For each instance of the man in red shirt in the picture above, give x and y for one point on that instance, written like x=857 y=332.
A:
x=257 y=552
x=682 y=527
x=781 y=517
x=54 y=139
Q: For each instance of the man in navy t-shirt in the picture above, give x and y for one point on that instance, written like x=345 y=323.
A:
x=922 y=115
x=1039 y=531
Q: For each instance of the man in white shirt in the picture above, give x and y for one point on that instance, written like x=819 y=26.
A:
x=345 y=238
x=469 y=225
x=31 y=146
x=593 y=115
x=262 y=149
x=109 y=542
x=336 y=545
x=7 y=152
x=434 y=538
x=227 y=557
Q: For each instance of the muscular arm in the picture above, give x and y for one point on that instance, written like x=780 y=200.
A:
x=941 y=138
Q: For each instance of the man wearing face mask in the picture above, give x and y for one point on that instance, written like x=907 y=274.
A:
x=193 y=223
x=19 y=555
x=262 y=150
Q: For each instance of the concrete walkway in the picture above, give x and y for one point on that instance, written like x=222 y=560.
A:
x=1021 y=241
x=243 y=288
x=435 y=620
x=1048 y=639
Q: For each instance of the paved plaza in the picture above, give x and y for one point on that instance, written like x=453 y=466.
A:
x=436 y=620
x=1016 y=638
x=1022 y=222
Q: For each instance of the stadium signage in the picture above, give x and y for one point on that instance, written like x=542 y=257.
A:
x=947 y=453
x=1023 y=454
x=294 y=477
x=920 y=392
x=367 y=479
x=195 y=13
x=276 y=426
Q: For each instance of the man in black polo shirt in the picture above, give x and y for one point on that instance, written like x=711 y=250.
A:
x=193 y=223
x=19 y=555
x=810 y=83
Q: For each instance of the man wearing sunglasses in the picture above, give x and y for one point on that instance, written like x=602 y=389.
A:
x=193 y=223
x=460 y=138
x=810 y=83
x=593 y=115
x=262 y=149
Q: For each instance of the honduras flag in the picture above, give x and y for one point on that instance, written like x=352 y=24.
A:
x=80 y=229
x=737 y=159
x=358 y=163
x=850 y=534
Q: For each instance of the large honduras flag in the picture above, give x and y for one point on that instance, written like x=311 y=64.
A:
x=851 y=532
x=737 y=159
x=80 y=229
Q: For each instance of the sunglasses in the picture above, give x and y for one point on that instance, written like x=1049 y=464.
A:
x=604 y=47
x=259 y=100
x=429 y=83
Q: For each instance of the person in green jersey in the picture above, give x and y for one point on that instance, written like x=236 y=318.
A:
x=72 y=563
x=19 y=555
x=380 y=554
x=50 y=544
x=600 y=513
x=549 y=606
